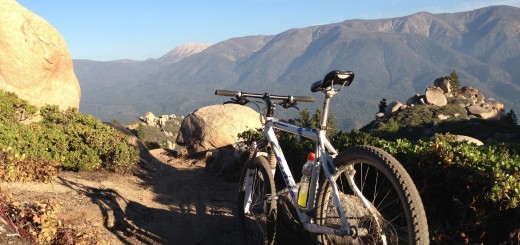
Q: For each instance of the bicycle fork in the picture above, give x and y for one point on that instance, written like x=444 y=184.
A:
x=346 y=229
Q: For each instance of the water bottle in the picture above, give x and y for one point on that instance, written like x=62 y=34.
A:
x=303 y=192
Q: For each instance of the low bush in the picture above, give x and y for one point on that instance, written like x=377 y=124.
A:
x=67 y=139
x=91 y=143
x=471 y=193
x=153 y=137
x=13 y=109
x=14 y=167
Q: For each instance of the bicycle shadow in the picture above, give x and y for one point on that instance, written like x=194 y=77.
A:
x=189 y=206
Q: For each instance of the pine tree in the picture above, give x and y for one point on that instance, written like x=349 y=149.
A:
x=455 y=82
x=307 y=120
x=382 y=105
x=511 y=118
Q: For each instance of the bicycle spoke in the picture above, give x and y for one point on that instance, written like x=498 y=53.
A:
x=375 y=188
x=366 y=175
x=392 y=220
x=383 y=200
x=389 y=203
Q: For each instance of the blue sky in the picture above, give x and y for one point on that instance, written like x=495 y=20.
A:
x=140 y=29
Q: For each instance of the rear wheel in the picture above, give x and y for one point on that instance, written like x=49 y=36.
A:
x=257 y=203
x=386 y=204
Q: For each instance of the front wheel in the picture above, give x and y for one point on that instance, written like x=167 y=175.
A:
x=379 y=198
x=257 y=203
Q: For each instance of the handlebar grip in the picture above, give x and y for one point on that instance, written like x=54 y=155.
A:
x=304 y=98
x=226 y=92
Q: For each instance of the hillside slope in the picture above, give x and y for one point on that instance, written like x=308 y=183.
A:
x=392 y=58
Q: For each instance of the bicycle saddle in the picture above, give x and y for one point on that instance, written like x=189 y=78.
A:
x=343 y=78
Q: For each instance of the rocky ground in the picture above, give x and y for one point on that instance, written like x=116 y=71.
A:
x=164 y=200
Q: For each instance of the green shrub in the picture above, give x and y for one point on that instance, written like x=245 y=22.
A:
x=153 y=137
x=14 y=167
x=14 y=109
x=91 y=143
x=76 y=141
x=450 y=110
x=173 y=126
x=415 y=116
x=466 y=189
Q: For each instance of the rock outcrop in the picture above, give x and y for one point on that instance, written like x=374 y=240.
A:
x=34 y=59
x=437 y=95
x=216 y=126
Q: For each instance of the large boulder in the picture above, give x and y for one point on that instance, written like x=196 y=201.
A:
x=467 y=139
x=435 y=96
x=393 y=107
x=414 y=100
x=471 y=93
x=34 y=59
x=216 y=126
x=150 y=119
x=497 y=105
x=484 y=113
x=443 y=83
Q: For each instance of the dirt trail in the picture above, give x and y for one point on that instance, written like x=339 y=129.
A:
x=164 y=200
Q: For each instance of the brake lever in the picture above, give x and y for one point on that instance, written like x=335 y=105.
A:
x=287 y=105
x=237 y=101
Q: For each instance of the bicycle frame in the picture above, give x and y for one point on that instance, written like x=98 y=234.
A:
x=325 y=152
x=367 y=221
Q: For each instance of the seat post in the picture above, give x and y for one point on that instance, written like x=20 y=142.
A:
x=326 y=104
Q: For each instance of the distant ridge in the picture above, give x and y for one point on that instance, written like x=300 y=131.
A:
x=182 y=51
x=392 y=58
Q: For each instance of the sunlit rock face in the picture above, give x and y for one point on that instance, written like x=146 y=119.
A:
x=34 y=60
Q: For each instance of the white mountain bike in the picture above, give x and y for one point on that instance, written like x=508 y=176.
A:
x=360 y=196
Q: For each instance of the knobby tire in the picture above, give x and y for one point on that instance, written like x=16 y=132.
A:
x=399 y=216
x=259 y=226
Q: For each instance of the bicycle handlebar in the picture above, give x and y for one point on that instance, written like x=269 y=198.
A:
x=226 y=93
x=239 y=94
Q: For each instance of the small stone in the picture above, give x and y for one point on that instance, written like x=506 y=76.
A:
x=443 y=117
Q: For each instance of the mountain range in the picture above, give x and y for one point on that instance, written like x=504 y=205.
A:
x=392 y=58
